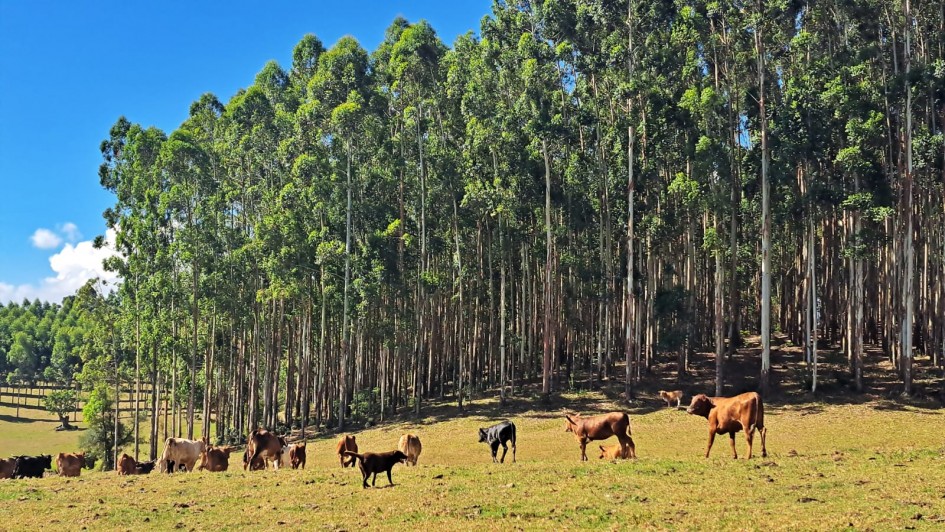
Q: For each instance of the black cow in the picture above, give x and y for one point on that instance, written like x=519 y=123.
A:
x=497 y=435
x=143 y=468
x=31 y=466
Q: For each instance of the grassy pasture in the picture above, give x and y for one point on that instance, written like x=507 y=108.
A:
x=877 y=465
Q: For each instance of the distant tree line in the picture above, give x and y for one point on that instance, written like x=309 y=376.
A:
x=579 y=189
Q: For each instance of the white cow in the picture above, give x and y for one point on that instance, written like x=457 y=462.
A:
x=180 y=451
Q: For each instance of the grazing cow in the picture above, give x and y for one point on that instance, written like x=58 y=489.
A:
x=346 y=443
x=263 y=445
x=180 y=452
x=613 y=452
x=6 y=467
x=69 y=464
x=600 y=428
x=374 y=463
x=497 y=435
x=31 y=466
x=669 y=397
x=216 y=459
x=297 y=455
x=728 y=415
x=410 y=446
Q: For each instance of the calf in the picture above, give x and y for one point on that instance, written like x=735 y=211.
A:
x=374 y=463
x=143 y=468
x=264 y=445
x=346 y=443
x=669 y=397
x=297 y=455
x=215 y=459
x=6 y=467
x=613 y=452
x=180 y=452
x=31 y=466
x=69 y=464
x=728 y=415
x=600 y=428
x=497 y=435
x=410 y=446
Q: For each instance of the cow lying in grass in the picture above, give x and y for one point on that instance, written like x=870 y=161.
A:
x=600 y=428
x=31 y=466
x=69 y=464
x=129 y=466
x=728 y=415
x=216 y=459
x=614 y=452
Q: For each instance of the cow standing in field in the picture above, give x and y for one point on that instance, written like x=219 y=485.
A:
x=347 y=443
x=600 y=428
x=669 y=397
x=31 y=466
x=728 y=415
x=497 y=435
x=180 y=452
x=69 y=464
x=410 y=446
x=215 y=459
x=293 y=455
x=263 y=445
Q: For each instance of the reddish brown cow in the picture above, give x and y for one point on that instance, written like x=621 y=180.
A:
x=613 y=452
x=126 y=465
x=297 y=455
x=264 y=445
x=216 y=459
x=600 y=428
x=347 y=443
x=728 y=415
x=6 y=467
x=70 y=464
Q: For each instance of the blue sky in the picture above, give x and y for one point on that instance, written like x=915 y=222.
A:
x=69 y=69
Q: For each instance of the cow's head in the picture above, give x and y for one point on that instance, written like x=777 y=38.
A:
x=701 y=405
x=483 y=435
x=45 y=460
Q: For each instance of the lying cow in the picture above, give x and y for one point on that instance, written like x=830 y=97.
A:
x=6 y=467
x=180 y=452
x=70 y=464
x=263 y=445
x=31 y=466
x=728 y=415
x=497 y=435
x=410 y=446
x=600 y=428
x=347 y=443
x=216 y=459
x=614 y=452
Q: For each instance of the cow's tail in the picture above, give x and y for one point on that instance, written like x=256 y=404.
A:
x=759 y=415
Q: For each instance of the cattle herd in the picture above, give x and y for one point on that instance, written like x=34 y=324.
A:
x=264 y=449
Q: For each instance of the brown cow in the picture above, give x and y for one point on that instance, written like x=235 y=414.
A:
x=6 y=467
x=70 y=464
x=126 y=465
x=410 y=446
x=216 y=459
x=600 y=428
x=265 y=445
x=297 y=455
x=669 y=397
x=347 y=443
x=613 y=452
x=728 y=415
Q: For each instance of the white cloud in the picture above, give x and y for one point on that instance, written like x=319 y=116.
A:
x=45 y=239
x=73 y=266
x=70 y=231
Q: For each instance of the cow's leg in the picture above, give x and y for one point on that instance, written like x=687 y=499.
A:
x=631 y=447
x=711 y=441
x=583 y=450
x=505 y=449
x=495 y=449
x=764 y=433
x=731 y=438
x=749 y=435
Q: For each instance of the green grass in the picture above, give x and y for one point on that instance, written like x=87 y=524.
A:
x=876 y=465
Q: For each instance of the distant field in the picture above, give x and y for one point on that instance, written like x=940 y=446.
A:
x=876 y=465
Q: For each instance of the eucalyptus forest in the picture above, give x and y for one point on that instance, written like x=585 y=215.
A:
x=560 y=200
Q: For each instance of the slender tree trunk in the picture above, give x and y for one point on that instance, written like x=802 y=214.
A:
x=908 y=252
x=765 y=220
x=546 y=361
x=345 y=328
